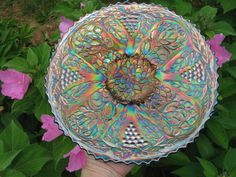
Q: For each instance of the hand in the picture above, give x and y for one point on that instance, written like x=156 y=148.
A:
x=99 y=168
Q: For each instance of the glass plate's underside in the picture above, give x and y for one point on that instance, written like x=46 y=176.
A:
x=132 y=83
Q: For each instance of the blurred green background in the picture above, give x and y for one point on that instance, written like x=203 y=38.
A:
x=33 y=25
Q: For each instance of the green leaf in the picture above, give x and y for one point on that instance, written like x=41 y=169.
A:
x=227 y=122
x=220 y=107
x=229 y=161
x=78 y=174
x=135 y=170
x=14 y=138
x=1 y=147
x=18 y=63
x=7 y=118
x=55 y=35
x=164 y=3
x=61 y=146
x=223 y=27
x=6 y=158
x=232 y=50
x=207 y=12
x=179 y=159
x=228 y=5
x=43 y=52
x=42 y=108
x=67 y=10
x=232 y=71
x=218 y=134
x=232 y=134
x=233 y=173
x=192 y=169
x=27 y=104
x=14 y=173
x=31 y=160
x=210 y=34
x=218 y=160
x=61 y=165
x=182 y=7
x=39 y=83
x=32 y=58
x=204 y=17
x=227 y=87
x=205 y=147
x=209 y=169
x=49 y=170
x=7 y=49
x=227 y=117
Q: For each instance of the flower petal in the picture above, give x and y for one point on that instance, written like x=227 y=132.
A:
x=216 y=40
x=64 y=25
x=11 y=75
x=77 y=159
x=220 y=52
x=82 y=5
x=52 y=128
x=13 y=90
x=15 y=84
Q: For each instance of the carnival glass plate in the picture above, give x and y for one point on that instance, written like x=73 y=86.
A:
x=132 y=83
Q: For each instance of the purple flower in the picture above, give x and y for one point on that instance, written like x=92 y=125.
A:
x=64 y=25
x=52 y=128
x=15 y=83
x=220 y=52
x=77 y=159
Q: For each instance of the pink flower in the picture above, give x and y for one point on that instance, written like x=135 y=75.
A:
x=220 y=52
x=77 y=159
x=64 y=25
x=82 y=5
x=15 y=83
x=52 y=128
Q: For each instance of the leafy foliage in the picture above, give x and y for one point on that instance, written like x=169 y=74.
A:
x=22 y=153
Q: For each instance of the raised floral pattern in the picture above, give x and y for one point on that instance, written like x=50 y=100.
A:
x=131 y=83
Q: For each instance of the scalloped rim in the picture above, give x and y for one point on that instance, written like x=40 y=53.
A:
x=188 y=140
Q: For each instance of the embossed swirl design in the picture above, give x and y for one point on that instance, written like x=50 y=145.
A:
x=132 y=83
